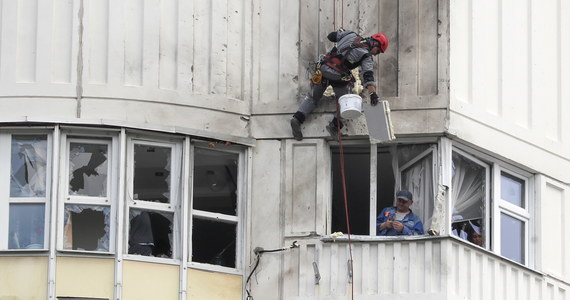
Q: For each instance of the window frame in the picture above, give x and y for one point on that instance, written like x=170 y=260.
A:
x=176 y=200
x=5 y=164
x=111 y=139
x=495 y=205
x=238 y=219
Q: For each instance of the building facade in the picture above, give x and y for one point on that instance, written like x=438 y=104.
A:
x=146 y=153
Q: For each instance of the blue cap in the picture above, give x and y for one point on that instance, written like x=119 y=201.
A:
x=404 y=195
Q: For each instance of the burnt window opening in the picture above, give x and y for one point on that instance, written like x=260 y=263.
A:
x=86 y=227
x=152 y=180
x=215 y=181
x=28 y=166
x=214 y=242
x=215 y=207
x=150 y=233
x=88 y=169
x=397 y=167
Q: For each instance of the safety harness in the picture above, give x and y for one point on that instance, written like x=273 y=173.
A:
x=337 y=60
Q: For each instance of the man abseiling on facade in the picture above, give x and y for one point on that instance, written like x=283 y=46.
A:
x=351 y=51
x=399 y=219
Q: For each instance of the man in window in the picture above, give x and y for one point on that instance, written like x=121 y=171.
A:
x=399 y=219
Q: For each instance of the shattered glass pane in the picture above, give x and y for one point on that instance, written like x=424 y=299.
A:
x=150 y=233
x=214 y=242
x=28 y=166
x=152 y=173
x=27 y=226
x=215 y=181
x=88 y=169
x=86 y=227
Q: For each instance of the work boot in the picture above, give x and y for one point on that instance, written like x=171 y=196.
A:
x=333 y=130
x=296 y=129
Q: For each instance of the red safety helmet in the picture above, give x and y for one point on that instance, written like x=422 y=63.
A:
x=382 y=40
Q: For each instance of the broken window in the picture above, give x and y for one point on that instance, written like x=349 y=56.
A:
x=150 y=233
x=396 y=167
x=498 y=221
x=88 y=169
x=215 y=207
x=155 y=168
x=28 y=166
x=86 y=227
x=152 y=173
x=87 y=200
x=24 y=197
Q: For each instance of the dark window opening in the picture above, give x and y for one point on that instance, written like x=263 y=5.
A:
x=215 y=181
x=86 y=228
x=214 y=242
x=152 y=173
x=150 y=233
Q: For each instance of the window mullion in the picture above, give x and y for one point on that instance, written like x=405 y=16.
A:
x=373 y=187
x=5 y=189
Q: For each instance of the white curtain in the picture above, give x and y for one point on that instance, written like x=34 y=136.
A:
x=468 y=186
x=418 y=179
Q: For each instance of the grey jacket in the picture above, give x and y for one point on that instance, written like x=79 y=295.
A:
x=344 y=39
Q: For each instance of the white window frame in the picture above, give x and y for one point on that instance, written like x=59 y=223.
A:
x=238 y=219
x=504 y=207
x=5 y=164
x=495 y=205
x=174 y=207
x=110 y=200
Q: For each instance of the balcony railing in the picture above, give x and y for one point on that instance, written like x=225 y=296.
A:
x=411 y=268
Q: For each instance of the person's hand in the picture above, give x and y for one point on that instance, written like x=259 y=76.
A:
x=373 y=98
x=387 y=224
x=398 y=226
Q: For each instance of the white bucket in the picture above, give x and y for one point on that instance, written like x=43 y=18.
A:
x=350 y=106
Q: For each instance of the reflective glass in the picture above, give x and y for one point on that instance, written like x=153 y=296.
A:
x=512 y=238
x=512 y=190
x=27 y=226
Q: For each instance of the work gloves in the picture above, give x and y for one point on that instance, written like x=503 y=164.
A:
x=373 y=98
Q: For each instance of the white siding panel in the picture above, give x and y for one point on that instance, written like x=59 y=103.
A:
x=554 y=211
x=507 y=65
x=545 y=67
x=307 y=192
x=27 y=41
x=133 y=45
x=235 y=49
x=64 y=39
x=96 y=32
x=168 y=54
x=218 y=49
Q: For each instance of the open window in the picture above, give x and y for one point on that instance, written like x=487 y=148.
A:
x=88 y=193
x=386 y=169
x=491 y=205
x=215 y=206
x=24 y=190
x=154 y=172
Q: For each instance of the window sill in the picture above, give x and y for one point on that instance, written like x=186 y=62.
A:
x=376 y=239
x=214 y=268
x=152 y=259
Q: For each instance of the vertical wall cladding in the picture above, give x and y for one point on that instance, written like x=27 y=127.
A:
x=167 y=50
x=509 y=62
x=37 y=48
x=294 y=35
x=554 y=211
